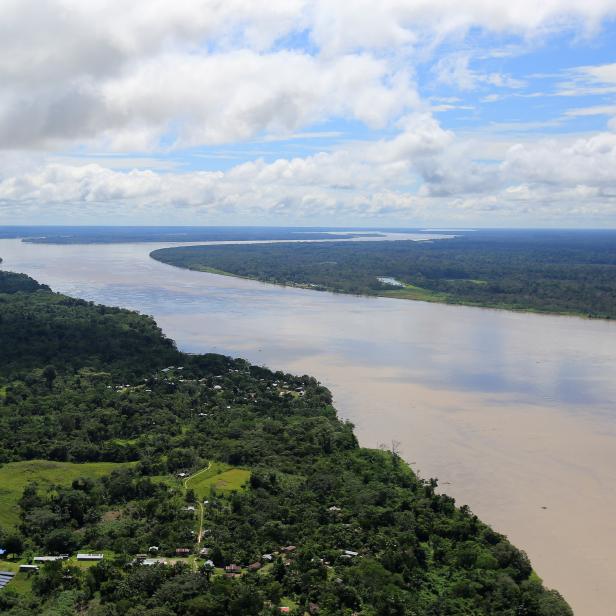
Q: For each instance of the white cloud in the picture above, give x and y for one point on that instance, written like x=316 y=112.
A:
x=420 y=174
x=196 y=99
x=589 y=80
x=591 y=111
x=455 y=70
x=342 y=26
x=139 y=74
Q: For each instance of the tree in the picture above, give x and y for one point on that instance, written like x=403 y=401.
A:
x=49 y=374
x=14 y=544
x=61 y=541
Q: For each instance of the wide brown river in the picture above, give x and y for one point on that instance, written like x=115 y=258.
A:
x=514 y=413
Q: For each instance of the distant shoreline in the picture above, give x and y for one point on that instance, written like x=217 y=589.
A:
x=408 y=293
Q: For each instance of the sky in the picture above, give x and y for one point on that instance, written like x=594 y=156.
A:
x=411 y=113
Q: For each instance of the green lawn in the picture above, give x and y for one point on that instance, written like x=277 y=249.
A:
x=410 y=291
x=14 y=477
x=21 y=583
x=222 y=477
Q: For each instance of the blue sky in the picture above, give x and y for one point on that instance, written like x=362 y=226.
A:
x=540 y=70
x=309 y=112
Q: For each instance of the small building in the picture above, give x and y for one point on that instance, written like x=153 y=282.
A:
x=285 y=610
x=182 y=551
x=209 y=563
x=288 y=549
x=28 y=568
x=90 y=557
x=189 y=508
x=140 y=557
x=49 y=559
x=153 y=548
x=267 y=557
x=233 y=569
x=254 y=567
x=204 y=551
x=350 y=553
x=149 y=562
x=334 y=508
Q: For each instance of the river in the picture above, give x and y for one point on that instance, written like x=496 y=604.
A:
x=514 y=413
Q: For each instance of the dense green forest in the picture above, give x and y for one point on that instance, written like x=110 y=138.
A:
x=571 y=272
x=213 y=487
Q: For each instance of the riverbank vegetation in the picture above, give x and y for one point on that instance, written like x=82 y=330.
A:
x=104 y=429
x=564 y=272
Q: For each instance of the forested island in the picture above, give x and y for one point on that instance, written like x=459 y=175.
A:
x=562 y=272
x=136 y=480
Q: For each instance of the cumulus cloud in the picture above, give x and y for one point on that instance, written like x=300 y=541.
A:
x=343 y=26
x=368 y=180
x=210 y=99
x=150 y=73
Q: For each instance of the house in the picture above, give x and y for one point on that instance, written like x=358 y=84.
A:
x=233 y=569
x=350 y=553
x=90 y=557
x=182 y=551
x=148 y=562
x=28 y=568
x=254 y=567
x=140 y=557
x=153 y=548
x=188 y=508
x=49 y=559
x=267 y=557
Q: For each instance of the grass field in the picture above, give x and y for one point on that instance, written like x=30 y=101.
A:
x=14 y=477
x=410 y=291
x=222 y=477
x=21 y=583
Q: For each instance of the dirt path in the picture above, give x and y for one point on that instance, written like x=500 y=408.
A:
x=199 y=502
